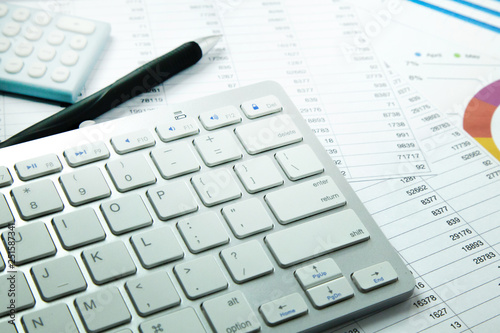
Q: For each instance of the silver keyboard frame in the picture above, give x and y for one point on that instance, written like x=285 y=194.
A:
x=258 y=291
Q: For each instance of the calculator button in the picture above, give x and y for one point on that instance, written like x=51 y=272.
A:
x=77 y=25
x=283 y=309
x=78 y=42
x=60 y=74
x=23 y=49
x=42 y=18
x=4 y=9
x=69 y=58
x=4 y=44
x=13 y=65
x=10 y=29
x=261 y=106
x=46 y=53
x=317 y=237
x=330 y=293
x=37 y=70
x=33 y=33
x=56 y=37
x=38 y=167
x=374 y=276
x=21 y=14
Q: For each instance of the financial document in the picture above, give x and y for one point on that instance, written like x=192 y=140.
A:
x=434 y=192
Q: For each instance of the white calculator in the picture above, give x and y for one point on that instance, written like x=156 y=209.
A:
x=45 y=54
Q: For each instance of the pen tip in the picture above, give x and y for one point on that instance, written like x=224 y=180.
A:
x=207 y=43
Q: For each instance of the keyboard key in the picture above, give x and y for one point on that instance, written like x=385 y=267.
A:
x=102 y=310
x=247 y=218
x=38 y=167
x=5 y=177
x=258 y=174
x=200 y=277
x=299 y=162
x=125 y=214
x=202 y=232
x=330 y=293
x=33 y=242
x=132 y=141
x=84 y=186
x=246 y=261
x=220 y=117
x=156 y=247
x=283 y=309
x=175 y=160
x=6 y=217
x=268 y=133
x=261 y=106
x=317 y=273
x=305 y=199
x=231 y=313
x=77 y=25
x=216 y=187
x=86 y=153
x=176 y=129
x=172 y=200
x=37 y=199
x=78 y=228
x=317 y=237
x=374 y=277
x=130 y=173
x=184 y=320
x=58 y=277
x=217 y=148
x=108 y=262
x=23 y=298
x=56 y=318
x=7 y=327
x=152 y=293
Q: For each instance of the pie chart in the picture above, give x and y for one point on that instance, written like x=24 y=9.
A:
x=482 y=118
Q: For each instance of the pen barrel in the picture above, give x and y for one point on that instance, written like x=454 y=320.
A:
x=135 y=83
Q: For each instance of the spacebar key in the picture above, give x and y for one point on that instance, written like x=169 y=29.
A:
x=316 y=237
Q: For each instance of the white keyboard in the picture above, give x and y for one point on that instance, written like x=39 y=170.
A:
x=45 y=54
x=222 y=214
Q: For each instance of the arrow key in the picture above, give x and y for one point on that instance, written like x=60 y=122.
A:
x=283 y=309
x=330 y=293
x=152 y=293
x=374 y=276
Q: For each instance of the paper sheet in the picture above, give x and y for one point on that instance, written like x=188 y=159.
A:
x=444 y=226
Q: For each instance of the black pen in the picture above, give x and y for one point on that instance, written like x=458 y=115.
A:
x=133 y=84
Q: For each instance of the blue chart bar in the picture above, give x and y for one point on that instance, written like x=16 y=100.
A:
x=463 y=17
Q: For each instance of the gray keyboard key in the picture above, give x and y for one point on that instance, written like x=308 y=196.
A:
x=58 y=278
x=130 y=173
x=85 y=185
x=184 y=320
x=23 y=298
x=152 y=293
x=6 y=217
x=125 y=214
x=156 y=247
x=56 y=318
x=31 y=242
x=5 y=177
x=172 y=200
x=102 y=310
x=108 y=262
x=78 y=228
x=37 y=199
x=38 y=167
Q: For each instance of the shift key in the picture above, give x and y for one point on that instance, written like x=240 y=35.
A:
x=305 y=199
